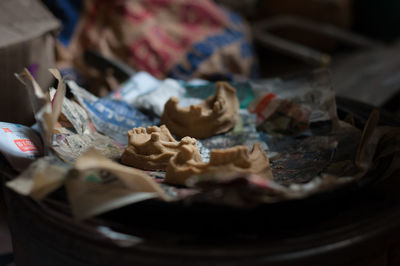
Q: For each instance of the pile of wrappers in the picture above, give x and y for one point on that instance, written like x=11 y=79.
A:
x=77 y=143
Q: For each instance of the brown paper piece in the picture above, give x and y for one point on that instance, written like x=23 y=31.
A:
x=133 y=178
x=42 y=177
x=57 y=101
x=46 y=115
x=91 y=193
x=101 y=185
x=365 y=153
x=378 y=142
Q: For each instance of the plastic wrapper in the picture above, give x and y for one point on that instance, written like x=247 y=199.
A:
x=156 y=99
x=20 y=145
x=139 y=84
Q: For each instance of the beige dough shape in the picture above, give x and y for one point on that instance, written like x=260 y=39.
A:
x=217 y=114
x=233 y=160
x=151 y=149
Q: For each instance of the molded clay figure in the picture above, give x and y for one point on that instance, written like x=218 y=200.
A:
x=152 y=149
x=237 y=159
x=217 y=114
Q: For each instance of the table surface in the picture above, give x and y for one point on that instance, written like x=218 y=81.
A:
x=355 y=224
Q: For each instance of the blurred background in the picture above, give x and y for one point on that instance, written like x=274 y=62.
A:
x=101 y=44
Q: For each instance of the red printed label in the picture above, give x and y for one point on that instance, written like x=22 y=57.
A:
x=264 y=102
x=7 y=130
x=25 y=145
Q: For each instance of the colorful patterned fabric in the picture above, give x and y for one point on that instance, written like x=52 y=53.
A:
x=181 y=38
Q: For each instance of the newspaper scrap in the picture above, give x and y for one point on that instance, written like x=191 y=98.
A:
x=66 y=143
x=110 y=117
x=20 y=145
x=47 y=174
x=69 y=145
x=300 y=158
x=99 y=185
x=378 y=146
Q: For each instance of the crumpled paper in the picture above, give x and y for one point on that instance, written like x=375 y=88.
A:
x=327 y=155
x=41 y=178
x=378 y=154
x=98 y=185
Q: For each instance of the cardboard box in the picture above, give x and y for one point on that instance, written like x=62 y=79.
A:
x=27 y=32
